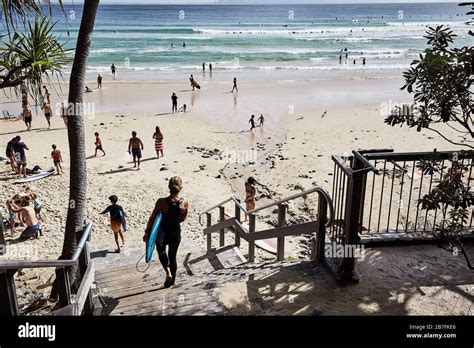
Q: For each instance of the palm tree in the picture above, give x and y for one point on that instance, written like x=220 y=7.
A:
x=15 y=12
x=78 y=174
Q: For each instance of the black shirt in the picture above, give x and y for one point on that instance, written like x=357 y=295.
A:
x=114 y=211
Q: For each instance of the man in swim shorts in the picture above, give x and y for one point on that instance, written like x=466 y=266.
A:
x=28 y=217
x=135 y=148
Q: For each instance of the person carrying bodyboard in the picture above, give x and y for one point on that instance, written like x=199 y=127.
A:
x=167 y=216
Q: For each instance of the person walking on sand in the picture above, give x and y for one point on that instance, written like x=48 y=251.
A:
x=10 y=153
x=158 y=136
x=64 y=113
x=250 y=193
x=57 y=159
x=99 y=82
x=98 y=144
x=234 y=88
x=135 y=148
x=113 y=69
x=47 y=114
x=47 y=95
x=261 y=119
x=174 y=102
x=19 y=148
x=27 y=117
x=174 y=210
x=117 y=220
x=252 y=122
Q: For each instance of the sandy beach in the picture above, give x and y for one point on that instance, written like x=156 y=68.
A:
x=307 y=120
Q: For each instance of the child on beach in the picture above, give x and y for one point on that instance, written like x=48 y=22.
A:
x=252 y=122
x=250 y=192
x=182 y=108
x=98 y=144
x=158 y=136
x=261 y=119
x=135 y=148
x=234 y=88
x=117 y=219
x=37 y=204
x=11 y=214
x=57 y=158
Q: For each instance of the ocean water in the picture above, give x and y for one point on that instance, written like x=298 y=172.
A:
x=254 y=37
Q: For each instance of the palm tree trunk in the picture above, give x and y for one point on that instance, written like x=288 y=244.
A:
x=78 y=172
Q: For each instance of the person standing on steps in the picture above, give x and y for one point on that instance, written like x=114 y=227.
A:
x=174 y=103
x=250 y=193
x=174 y=210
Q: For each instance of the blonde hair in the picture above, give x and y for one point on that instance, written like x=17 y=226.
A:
x=175 y=185
x=32 y=196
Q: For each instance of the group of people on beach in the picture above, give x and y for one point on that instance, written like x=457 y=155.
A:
x=26 y=208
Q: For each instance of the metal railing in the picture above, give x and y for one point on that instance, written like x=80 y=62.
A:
x=234 y=223
x=71 y=304
x=388 y=205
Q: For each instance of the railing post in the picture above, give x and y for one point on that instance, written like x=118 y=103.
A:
x=221 y=232
x=352 y=219
x=237 y=217
x=64 y=287
x=252 y=218
x=209 y=236
x=281 y=240
x=321 y=236
x=8 y=300
x=84 y=260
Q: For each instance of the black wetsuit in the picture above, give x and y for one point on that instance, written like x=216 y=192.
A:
x=170 y=234
x=174 y=99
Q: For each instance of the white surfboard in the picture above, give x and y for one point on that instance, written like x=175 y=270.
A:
x=34 y=177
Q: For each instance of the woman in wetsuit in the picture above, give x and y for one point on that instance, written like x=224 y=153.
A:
x=174 y=210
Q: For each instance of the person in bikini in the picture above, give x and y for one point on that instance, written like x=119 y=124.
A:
x=250 y=193
x=135 y=148
x=158 y=136
x=47 y=113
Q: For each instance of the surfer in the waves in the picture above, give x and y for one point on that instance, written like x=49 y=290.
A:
x=174 y=210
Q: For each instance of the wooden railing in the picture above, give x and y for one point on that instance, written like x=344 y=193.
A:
x=69 y=304
x=280 y=232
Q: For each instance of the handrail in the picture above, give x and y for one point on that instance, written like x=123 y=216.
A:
x=17 y=264
x=318 y=189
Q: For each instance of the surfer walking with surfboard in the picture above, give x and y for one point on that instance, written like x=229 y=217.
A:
x=169 y=212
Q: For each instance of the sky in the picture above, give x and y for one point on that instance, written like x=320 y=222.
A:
x=175 y=2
